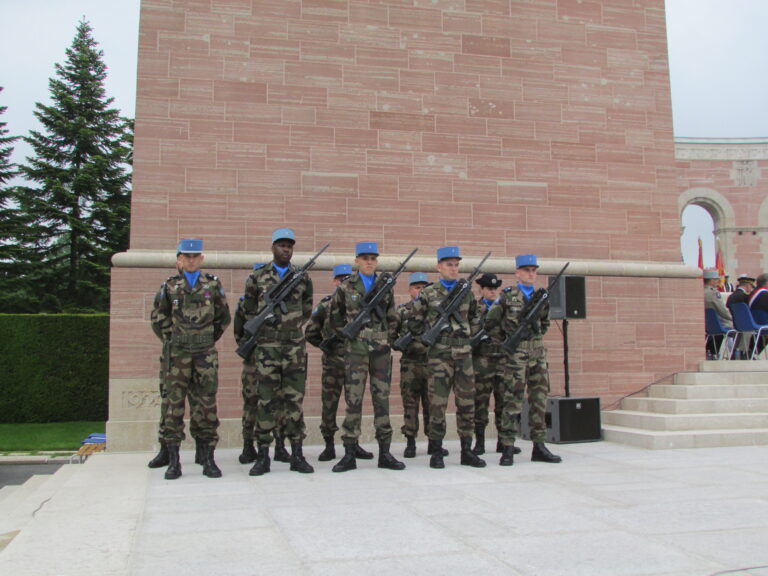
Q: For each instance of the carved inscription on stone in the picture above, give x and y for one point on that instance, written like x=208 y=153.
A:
x=138 y=399
x=745 y=173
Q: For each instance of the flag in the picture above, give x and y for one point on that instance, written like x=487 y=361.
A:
x=701 y=256
x=719 y=263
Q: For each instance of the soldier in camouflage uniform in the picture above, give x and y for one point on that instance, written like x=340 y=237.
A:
x=413 y=372
x=280 y=356
x=192 y=313
x=526 y=367
x=368 y=355
x=488 y=361
x=334 y=368
x=449 y=360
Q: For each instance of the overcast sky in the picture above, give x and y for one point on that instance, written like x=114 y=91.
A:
x=718 y=63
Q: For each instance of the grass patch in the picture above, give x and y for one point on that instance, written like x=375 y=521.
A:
x=46 y=437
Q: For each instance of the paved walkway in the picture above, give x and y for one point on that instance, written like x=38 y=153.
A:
x=608 y=509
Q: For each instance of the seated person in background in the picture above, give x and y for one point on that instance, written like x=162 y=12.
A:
x=744 y=287
x=714 y=299
x=758 y=300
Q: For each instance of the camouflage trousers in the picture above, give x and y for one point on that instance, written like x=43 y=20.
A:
x=414 y=391
x=446 y=372
x=161 y=429
x=526 y=368
x=375 y=363
x=281 y=375
x=249 y=390
x=334 y=369
x=489 y=379
x=193 y=375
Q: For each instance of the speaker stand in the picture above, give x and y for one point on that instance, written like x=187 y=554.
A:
x=565 y=359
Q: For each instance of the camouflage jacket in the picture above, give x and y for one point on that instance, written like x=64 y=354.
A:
x=288 y=327
x=488 y=346
x=504 y=317
x=424 y=313
x=318 y=328
x=193 y=318
x=416 y=349
x=347 y=302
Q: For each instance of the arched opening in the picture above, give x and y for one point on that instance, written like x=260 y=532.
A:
x=698 y=223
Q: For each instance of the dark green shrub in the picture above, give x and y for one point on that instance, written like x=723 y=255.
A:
x=55 y=367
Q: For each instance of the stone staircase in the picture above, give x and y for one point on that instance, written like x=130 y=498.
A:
x=19 y=504
x=724 y=404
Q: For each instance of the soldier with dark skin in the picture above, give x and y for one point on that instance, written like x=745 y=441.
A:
x=280 y=356
x=526 y=366
x=449 y=359
x=191 y=313
x=368 y=357
x=413 y=373
x=334 y=369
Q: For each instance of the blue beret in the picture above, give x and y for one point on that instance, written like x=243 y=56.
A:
x=283 y=234
x=189 y=247
x=342 y=270
x=366 y=248
x=448 y=252
x=417 y=277
x=526 y=260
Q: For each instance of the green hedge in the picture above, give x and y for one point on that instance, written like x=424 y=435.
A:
x=55 y=367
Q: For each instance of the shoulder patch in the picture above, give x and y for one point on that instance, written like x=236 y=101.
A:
x=507 y=289
x=211 y=276
x=326 y=298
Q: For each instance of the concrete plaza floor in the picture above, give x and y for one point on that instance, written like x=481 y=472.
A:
x=608 y=509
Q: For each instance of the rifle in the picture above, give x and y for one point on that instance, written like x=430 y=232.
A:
x=449 y=307
x=529 y=314
x=275 y=298
x=481 y=336
x=373 y=301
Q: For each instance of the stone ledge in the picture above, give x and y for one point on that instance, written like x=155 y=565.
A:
x=245 y=260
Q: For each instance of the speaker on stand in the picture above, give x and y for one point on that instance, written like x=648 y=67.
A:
x=568 y=299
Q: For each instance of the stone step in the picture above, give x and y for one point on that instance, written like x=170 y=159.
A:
x=695 y=406
x=699 y=392
x=18 y=511
x=7 y=491
x=685 y=422
x=718 y=378
x=734 y=366
x=657 y=440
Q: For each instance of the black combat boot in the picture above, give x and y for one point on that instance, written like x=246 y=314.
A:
x=161 y=459
x=436 y=449
x=541 y=453
x=281 y=454
x=479 y=442
x=209 y=464
x=330 y=450
x=174 y=465
x=261 y=466
x=248 y=454
x=362 y=453
x=298 y=462
x=199 y=451
x=469 y=458
x=386 y=460
x=507 y=456
x=431 y=448
x=500 y=447
x=410 y=447
x=348 y=461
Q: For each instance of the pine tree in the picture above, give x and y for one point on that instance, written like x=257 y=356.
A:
x=78 y=212
x=12 y=278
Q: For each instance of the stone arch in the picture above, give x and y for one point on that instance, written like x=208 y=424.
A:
x=713 y=202
x=723 y=216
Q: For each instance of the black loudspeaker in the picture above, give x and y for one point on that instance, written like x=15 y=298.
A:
x=568 y=298
x=568 y=419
